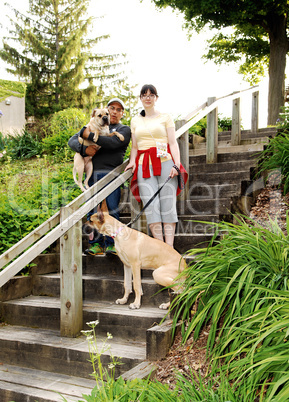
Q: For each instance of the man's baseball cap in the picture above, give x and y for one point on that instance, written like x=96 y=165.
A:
x=118 y=101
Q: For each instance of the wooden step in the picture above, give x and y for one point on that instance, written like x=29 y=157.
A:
x=213 y=191
x=97 y=287
x=225 y=157
x=184 y=243
x=230 y=166
x=227 y=148
x=224 y=142
x=247 y=134
x=20 y=384
x=46 y=350
x=196 y=193
x=206 y=206
x=221 y=177
x=44 y=312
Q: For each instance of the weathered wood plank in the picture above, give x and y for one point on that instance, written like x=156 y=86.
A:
x=212 y=133
x=65 y=384
x=255 y=112
x=236 y=123
x=71 y=316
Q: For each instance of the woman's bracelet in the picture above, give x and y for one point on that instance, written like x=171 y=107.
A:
x=177 y=169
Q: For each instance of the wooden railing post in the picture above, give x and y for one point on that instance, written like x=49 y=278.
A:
x=212 y=133
x=255 y=112
x=236 y=122
x=71 y=315
x=183 y=142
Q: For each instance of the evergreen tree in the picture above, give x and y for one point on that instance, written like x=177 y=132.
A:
x=56 y=57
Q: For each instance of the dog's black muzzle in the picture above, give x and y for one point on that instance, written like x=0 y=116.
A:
x=87 y=230
x=105 y=120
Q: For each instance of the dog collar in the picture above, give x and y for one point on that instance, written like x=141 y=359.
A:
x=113 y=235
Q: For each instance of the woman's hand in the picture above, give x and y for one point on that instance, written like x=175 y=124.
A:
x=131 y=165
x=174 y=172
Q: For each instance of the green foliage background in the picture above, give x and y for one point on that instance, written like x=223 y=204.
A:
x=11 y=88
x=31 y=192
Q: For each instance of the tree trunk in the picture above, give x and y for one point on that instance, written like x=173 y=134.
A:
x=277 y=64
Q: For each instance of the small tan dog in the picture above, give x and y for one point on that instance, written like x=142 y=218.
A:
x=99 y=125
x=138 y=251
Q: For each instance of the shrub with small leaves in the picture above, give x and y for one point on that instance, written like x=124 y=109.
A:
x=62 y=126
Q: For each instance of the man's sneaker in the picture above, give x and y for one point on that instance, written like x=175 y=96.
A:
x=96 y=249
x=110 y=249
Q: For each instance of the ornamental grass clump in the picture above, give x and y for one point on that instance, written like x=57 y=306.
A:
x=239 y=289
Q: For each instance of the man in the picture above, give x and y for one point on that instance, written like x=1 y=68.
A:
x=107 y=154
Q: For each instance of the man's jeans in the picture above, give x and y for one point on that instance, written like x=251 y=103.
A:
x=112 y=202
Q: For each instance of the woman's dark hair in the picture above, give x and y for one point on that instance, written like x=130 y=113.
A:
x=149 y=87
x=143 y=91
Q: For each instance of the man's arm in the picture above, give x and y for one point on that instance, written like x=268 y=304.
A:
x=83 y=150
x=114 y=142
x=75 y=144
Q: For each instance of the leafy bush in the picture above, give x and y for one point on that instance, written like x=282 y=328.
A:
x=199 y=128
x=57 y=145
x=30 y=194
x=3 y=142
x=67 y=119
x=224 y=123
x=283 y=120
x=62 y=126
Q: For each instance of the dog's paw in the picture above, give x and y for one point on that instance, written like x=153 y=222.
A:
x=134 y=306
x=121 y=301
x=164 y=306
x=120 y=136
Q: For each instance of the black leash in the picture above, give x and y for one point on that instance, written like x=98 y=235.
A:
x=181 y=184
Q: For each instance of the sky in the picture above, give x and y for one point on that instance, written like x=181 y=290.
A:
x=159 y=52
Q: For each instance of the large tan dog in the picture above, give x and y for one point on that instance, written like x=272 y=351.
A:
x=139 y=251
x=99 y=125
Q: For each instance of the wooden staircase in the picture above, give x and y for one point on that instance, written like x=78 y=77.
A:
x=36 y=363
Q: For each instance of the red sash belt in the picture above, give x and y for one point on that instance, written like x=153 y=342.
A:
x=151 y=153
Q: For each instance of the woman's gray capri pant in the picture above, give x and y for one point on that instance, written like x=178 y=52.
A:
x=164 y=206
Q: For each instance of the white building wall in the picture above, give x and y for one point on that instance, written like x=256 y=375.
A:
x=13 y=119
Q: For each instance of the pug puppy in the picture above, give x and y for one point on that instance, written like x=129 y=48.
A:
x=99 y=125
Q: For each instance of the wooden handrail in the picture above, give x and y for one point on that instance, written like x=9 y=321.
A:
x=29 y=255
x=54 y=220
x=204 y=109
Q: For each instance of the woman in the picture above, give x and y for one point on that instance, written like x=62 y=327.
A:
x=154 y=157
